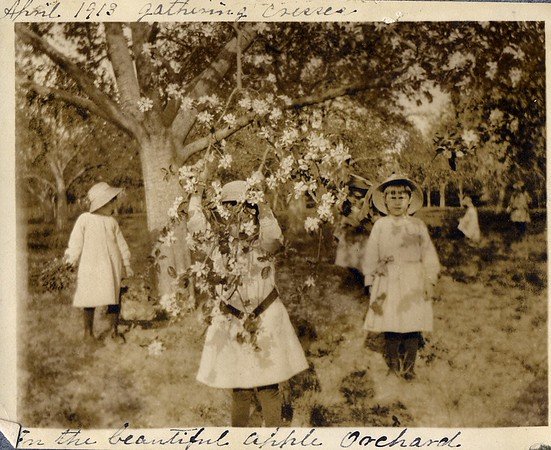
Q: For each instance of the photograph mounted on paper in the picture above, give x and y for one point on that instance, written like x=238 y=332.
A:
x=282 y=224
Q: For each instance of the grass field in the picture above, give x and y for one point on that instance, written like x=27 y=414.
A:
x=484 y=365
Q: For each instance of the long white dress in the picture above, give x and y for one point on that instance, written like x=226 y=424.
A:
x=468 y=224
x=99 y=244
x=398 y=258
x=226 y=363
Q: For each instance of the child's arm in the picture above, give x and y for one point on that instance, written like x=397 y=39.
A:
x=270 y=233
x=76 y=241
x=429 y=257
x=370 y=255
x=123 y=248
x=197 y=221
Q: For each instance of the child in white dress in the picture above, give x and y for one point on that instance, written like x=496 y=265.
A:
x=401 y=267
x=468 y=224
x=228 y=363
x=98 y=247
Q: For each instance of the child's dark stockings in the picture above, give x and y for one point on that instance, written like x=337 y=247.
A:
x=89 y=322
x=270 y=401
x=401 y=352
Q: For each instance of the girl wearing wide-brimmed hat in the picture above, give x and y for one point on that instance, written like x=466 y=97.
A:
x=401 y=267
x=227 y=363
x=98 y=246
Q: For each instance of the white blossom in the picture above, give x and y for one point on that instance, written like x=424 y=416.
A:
x=204 y=117
x=311 y=223
x=255 y=197
x=302 y=164
x=324 y=212
x=173 y=210
x=146 y=49
x=496 y=115
x=275 y=114
x=469 y=137
x=145 y=104
x=155 y=348
x=173 y=90
x=492 y=70
x=175 y=66
x=168 y=239
x=229 y=119
x=300 y=188
x=187 y=103
x=260 y=107
x=225 y=161
x=169 y=303
x=310 y=281
x=271 y=182
x=245 y=103
x=199 y=269
x=249 y=228
x=515 y=75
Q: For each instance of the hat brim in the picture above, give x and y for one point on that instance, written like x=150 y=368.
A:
x=104 y=198
x=415 y=204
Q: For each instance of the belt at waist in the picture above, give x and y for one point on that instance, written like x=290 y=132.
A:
x=226 y=308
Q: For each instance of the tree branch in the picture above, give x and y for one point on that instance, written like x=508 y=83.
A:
x=40 y=179
x=75 y=100
x=123 y=68
x=202 y=143
x=102 y=101
x=184 y=120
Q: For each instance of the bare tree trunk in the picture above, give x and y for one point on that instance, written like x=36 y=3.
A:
x=61 y=211
x=160 y=193
x=429 y=205
x=442 y=190
x=500 y=199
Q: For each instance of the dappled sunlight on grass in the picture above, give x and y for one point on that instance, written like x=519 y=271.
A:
x=485 y=364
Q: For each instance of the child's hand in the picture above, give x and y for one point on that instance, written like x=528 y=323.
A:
x=129 y=271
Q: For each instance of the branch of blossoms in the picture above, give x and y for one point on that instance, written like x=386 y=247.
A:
x=200 y=144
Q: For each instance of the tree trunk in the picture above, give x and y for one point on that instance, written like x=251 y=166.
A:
x=61 y=211
x=460 y=189
x=442 y=190
x=429 y=205
x=500 y=199
x=156 y=154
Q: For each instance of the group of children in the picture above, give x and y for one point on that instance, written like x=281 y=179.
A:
x=398 y=261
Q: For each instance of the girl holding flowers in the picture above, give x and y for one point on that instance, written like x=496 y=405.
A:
x=250 y=345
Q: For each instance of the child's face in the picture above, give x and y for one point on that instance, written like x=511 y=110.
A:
x=397 y=200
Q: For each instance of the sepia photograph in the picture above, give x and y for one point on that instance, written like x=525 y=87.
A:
x=281 y=224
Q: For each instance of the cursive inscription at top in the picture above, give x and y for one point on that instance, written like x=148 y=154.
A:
x=274 y=10
x=185 y=8
x=30 y=9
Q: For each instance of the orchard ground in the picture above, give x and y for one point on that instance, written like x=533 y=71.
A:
x=485 y=364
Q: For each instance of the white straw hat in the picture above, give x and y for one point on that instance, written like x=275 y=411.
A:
x=100 y=194
x=234 y=191
x=416 y=202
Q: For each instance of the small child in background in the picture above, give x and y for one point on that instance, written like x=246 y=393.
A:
x=351 y=233
x=98 y=247
x=468 y=224
x=401 y=267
